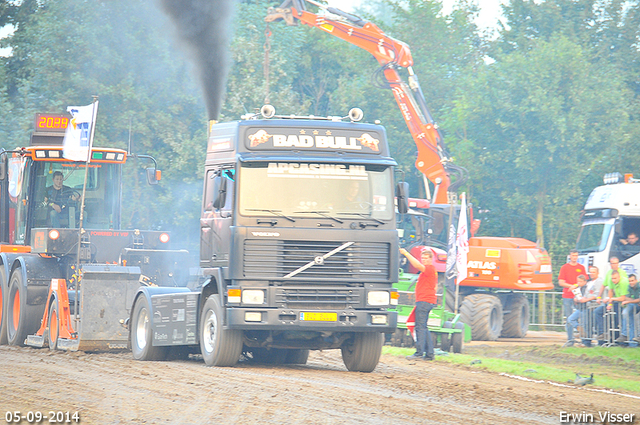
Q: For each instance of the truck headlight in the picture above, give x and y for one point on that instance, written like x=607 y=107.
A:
x=253 y=296
x=378 y=298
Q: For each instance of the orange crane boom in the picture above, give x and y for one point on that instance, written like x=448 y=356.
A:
x=392 y=55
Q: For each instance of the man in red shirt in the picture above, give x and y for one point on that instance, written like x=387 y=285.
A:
x=425 y=301
x=568 y=279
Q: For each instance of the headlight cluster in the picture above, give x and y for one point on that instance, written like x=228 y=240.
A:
x=247 y=296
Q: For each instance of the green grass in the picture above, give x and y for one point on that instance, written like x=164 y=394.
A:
x=615 y=368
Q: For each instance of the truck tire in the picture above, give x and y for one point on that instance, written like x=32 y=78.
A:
x=53 y=325
x=483 y=312
x=516 y=321
x=4 y=291
x=297 y=356
x=141 y=334
x=362 y=353
x=272 y=356
x=219 y=346
x=457 y=339
x=17 y=320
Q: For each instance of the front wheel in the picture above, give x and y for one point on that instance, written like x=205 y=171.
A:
x=141 y=334
x=457 y=339
x=219 y=346
x=17 y=310
x=4 y=288
x=54 y=325
x=362 y=352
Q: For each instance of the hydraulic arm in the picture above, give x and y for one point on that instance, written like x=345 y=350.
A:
x=392 y=55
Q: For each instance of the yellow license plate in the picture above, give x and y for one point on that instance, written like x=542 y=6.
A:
x=318 y=317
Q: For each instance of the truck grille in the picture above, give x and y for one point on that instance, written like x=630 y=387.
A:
x=270 y=259
x=317 y=298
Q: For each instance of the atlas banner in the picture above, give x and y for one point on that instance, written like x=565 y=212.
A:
x=78 y=138
x=324 y=140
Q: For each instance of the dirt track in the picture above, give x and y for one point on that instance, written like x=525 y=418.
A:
x=114 y=389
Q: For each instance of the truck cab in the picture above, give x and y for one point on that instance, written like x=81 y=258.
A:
x=611 y=213
x=299 y=248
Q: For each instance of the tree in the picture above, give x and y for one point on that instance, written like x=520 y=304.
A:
x=532 y=127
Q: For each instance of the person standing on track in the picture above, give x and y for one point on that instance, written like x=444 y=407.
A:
x=425 y=301
x=567 y=278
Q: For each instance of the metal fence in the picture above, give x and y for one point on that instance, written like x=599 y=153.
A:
x=546 y=313
x=545 y=310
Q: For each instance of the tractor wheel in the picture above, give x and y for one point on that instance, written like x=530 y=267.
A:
x=297 y=356
x=54 y=325
x=4 y=290
x=17 y=321
x=219 y=346
x=483 y=312
x=141 y=334
x=362 y=352
x=445 y=338
x=457 y=339
x=516 y=321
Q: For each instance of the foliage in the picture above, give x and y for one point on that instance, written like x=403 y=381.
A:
x=536 y=114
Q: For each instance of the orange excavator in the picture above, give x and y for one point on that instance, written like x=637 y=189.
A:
x=490 y=297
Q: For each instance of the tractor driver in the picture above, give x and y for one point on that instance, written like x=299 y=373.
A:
x=57 y=197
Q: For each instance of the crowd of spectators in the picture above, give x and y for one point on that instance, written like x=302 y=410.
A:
x=602 y=309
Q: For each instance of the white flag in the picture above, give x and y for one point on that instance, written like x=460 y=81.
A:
x=78 y=138
x=462 y=242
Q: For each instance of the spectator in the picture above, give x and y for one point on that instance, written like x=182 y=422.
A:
x=617 y=283
x=631 y=240
x=581 y=304
x=629 y=246
x=592 y=299
x=425 y=301
x=567 y=278
x=631 y=307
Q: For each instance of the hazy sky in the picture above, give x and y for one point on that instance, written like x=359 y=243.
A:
x=488 y=17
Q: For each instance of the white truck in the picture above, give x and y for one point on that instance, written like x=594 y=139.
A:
x=611 y=213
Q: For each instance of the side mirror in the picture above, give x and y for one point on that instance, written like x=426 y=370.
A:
x=153 y=175
x=221 y=196
x=402 y=195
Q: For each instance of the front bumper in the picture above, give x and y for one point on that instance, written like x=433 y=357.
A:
x=348 y=320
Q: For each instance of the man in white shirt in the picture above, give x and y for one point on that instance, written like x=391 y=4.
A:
x=594 y=296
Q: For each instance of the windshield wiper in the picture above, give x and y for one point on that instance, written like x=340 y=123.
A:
x=274 y=212
x=322 y=213
x=367 y=216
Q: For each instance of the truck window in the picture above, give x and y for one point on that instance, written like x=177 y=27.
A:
x=19 y=171
x=594 y=236
x=301 y=189
x=212 y=188
x=100 y=204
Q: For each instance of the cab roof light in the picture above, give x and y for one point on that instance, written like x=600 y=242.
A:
x=612 y=178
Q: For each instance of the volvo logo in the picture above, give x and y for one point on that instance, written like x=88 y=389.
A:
x=319 y=260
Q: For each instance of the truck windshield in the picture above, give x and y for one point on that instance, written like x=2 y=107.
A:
x=594 y=235
x=304 y=189
x=58 y=186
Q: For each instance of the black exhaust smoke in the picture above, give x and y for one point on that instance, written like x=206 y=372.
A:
x=204 y=27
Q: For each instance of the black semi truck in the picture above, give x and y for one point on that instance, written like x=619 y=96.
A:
x=298 y=247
